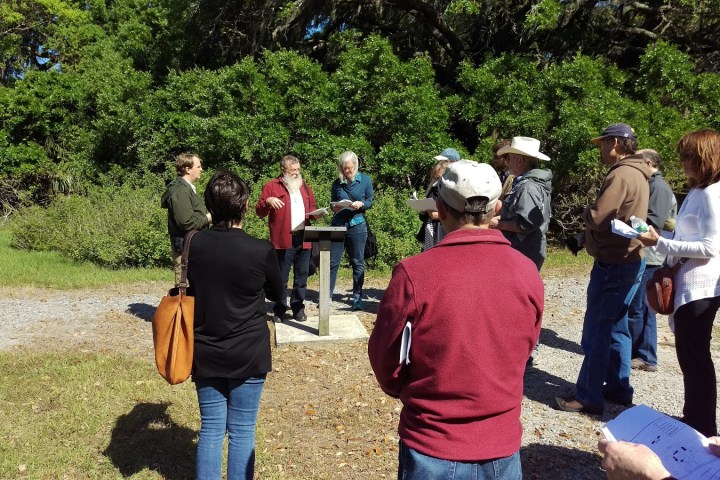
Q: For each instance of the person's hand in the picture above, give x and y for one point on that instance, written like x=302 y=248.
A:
x=209 y=217
x=274 y=203
x=631 y=461
x=432 y=214
x=494 y=222
x=649 y=238
x=357 y=205
x=714 y=446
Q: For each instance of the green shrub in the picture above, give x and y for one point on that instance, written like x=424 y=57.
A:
x=112 y=227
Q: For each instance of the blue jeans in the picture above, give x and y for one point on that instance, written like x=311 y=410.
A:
x=415 y=465
x=354 y=245
x=643 y=323
x=227 y=405
x=606 y=338
x=299 y=260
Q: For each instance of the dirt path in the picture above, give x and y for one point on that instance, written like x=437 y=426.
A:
x=323 y=415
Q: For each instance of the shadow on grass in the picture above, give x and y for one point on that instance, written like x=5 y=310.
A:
x=553 y=462
x=143 y=311
x=147 y=438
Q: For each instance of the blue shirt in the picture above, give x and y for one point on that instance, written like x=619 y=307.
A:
x=360 y=189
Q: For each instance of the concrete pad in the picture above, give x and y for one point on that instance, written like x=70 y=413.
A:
x=343 y=328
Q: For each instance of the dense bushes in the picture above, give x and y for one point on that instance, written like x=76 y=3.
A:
x=86 y=130
x=113 y=227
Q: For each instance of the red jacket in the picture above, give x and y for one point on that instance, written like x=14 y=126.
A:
x=475 y=306
x=279 y=221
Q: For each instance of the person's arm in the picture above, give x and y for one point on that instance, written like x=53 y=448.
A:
x=707 y=206
x=396 y=308
x=186 y=217
x=274 y=289
x=526 y=212
x=267 y=201
x=368 y=200
x=599 y=215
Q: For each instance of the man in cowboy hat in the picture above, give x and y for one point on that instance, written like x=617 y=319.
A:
x=615 y=276
x=525 y=213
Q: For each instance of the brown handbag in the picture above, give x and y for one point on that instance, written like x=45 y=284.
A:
x=660 y=288
x=172 y=327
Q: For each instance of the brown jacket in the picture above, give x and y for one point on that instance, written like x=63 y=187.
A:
x=624 y=193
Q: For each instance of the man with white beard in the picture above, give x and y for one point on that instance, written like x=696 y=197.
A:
x=287 y=200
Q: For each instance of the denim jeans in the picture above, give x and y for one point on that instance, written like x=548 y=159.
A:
x=415 y=465
x=606 y=337
x=299 y=260
x=354 y=245
x=643 y=323
x=227 y=405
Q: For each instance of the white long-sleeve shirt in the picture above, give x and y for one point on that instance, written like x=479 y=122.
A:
x=697 y=238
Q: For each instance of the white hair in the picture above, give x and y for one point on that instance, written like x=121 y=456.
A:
x=345 y=157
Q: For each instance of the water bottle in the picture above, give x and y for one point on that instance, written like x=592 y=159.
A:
x=638 y=224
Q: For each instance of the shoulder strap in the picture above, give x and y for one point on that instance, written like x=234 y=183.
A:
x=184 y=261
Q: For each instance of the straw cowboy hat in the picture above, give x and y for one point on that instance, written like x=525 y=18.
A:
x=527 y=146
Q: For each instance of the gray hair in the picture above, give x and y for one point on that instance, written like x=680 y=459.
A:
x=345 y=157
x=650 y=155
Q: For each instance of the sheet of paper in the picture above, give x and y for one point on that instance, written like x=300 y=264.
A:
x=405 y=342
x=422 y=204
x=682 y=449
x=621 y=228
x=342 y=203
x=319 y=212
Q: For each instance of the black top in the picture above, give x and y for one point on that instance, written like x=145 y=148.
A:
x=230 y=274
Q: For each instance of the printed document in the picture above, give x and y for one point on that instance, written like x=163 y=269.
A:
x=342 y=203
x=682 y=449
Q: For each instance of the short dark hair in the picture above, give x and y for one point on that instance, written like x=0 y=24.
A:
x=474 y=218
x=226 y=197
x=626 y=145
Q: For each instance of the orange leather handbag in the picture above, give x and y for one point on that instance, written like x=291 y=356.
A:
x=172 y=327
x=660 y=288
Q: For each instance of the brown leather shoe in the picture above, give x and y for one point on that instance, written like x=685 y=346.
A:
x=564 y=404
x=640 y=364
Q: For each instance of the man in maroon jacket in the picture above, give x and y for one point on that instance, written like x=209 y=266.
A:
x=287 y=200
x=471 y=307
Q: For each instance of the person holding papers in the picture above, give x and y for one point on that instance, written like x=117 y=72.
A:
x=697 y=282
x=432 y=231
x=289 y=203
x=351 y=197
x=443 y=347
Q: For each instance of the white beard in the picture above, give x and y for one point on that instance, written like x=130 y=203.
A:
x=293 y=183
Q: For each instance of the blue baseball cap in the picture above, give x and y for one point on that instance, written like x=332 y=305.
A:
x=616 y=130
x=448 y=154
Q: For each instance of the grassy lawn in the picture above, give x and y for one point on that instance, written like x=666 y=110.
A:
x=90 y=416
x=49 y=269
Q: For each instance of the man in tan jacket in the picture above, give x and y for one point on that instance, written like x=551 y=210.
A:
x=615 y=276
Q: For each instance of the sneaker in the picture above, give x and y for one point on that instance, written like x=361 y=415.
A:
x=640 y=364
x=357 y=304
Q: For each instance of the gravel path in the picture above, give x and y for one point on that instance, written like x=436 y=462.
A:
x=555 y=444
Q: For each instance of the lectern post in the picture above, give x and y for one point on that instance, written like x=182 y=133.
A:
x=324 y=236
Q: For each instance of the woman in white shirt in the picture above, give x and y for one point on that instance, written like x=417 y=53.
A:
x=697 y=282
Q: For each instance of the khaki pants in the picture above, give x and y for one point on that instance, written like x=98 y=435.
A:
x=177 y=266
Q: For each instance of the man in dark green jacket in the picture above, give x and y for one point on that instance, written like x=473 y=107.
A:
x=186 y=209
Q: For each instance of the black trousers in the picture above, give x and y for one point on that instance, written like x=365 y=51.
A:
x=693 y=332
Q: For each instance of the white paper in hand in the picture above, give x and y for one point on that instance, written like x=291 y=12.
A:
x=621 y=228
x=405 y=342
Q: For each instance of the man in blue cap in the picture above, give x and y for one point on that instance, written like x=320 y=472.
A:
x=615 y=276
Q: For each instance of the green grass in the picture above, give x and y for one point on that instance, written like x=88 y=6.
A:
x=88 y=416
x=51 y=270
x=560 y=261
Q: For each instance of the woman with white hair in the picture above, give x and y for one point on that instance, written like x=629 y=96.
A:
x=356 y=187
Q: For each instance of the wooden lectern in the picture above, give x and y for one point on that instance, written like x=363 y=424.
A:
x=324 y=236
